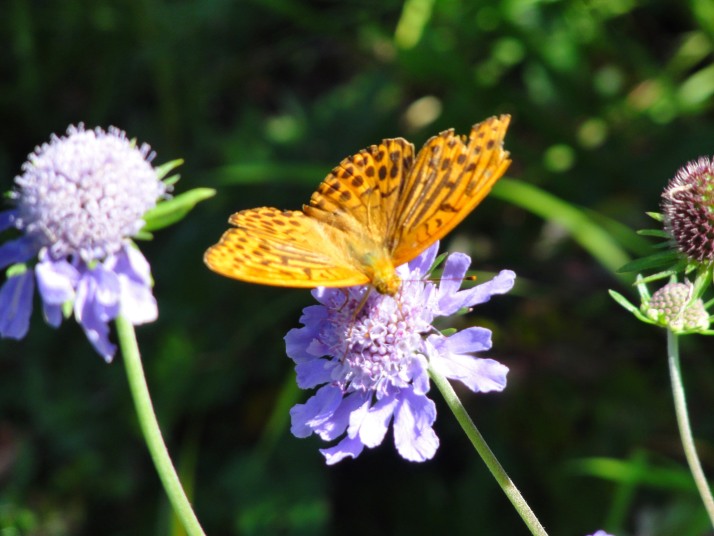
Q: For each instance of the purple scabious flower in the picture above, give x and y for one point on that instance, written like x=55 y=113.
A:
x=368 y=356
x=77 y=203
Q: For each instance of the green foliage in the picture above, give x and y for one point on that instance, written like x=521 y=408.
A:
x=174 y=209
x=261 y=100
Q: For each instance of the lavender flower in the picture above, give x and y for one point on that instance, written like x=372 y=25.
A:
x=600 y=533
x=369 y=354
x=79 y=199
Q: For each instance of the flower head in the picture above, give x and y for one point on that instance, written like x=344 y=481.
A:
x=77 y=203
x=688 y=208
x=672 y=306
x=368 y=354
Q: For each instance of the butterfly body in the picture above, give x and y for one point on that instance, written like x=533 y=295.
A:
x=376 y=210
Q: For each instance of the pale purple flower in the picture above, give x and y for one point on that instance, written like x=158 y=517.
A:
x=77 y=203
x=600 y=533
x=369 y=358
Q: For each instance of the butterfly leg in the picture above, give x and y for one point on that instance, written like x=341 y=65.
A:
x=358 y=309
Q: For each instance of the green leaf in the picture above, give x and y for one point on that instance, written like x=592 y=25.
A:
x=656 y=260
x=641 y=472
x=659 y=233
x=655 y=216
x=174 y=209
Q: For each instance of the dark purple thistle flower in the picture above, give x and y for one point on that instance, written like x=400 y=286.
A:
x=369 y=358
x=79 y=200
x=688 y=208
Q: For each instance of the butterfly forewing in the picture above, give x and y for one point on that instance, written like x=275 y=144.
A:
x=282 y=248
x=450 y=177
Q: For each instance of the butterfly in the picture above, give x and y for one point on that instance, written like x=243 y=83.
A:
x=376 y=210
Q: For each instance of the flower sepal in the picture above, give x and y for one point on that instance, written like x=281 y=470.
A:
x=172 y=210
x=165 y=169
x=16 y=269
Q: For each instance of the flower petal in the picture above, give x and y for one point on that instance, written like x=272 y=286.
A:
x=7 y=219
x=473 y=339
x=479 y=375
x=500 y=284
x=19 y=250
x=375 y=423
x=349 y=447
x=455 y=268
x=419 y=374
x=97 y=331
x=414 y=437
x=335 y=426
x=137 y=300
x=311 y=373
x=16 y=305
x=56 y=280
x=318 y=408
x=423 y=262
x=297 y=340
x=52 y=314
x=96 y=303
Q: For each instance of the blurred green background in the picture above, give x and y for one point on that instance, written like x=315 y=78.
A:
x=262 y=99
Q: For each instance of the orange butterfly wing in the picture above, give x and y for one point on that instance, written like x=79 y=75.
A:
x=282 y=248
x=376 y=210
x=361 y=194
x=450 y=177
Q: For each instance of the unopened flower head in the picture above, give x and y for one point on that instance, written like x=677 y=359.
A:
x=688 y=208
x=77 y=203
x=672 y=307
x=368 y=355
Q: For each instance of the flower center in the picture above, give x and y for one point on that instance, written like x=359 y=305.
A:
x=375 y=347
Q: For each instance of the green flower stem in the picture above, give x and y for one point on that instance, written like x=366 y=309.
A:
x=486 y=454
x=685 y=430
x=150 y=428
